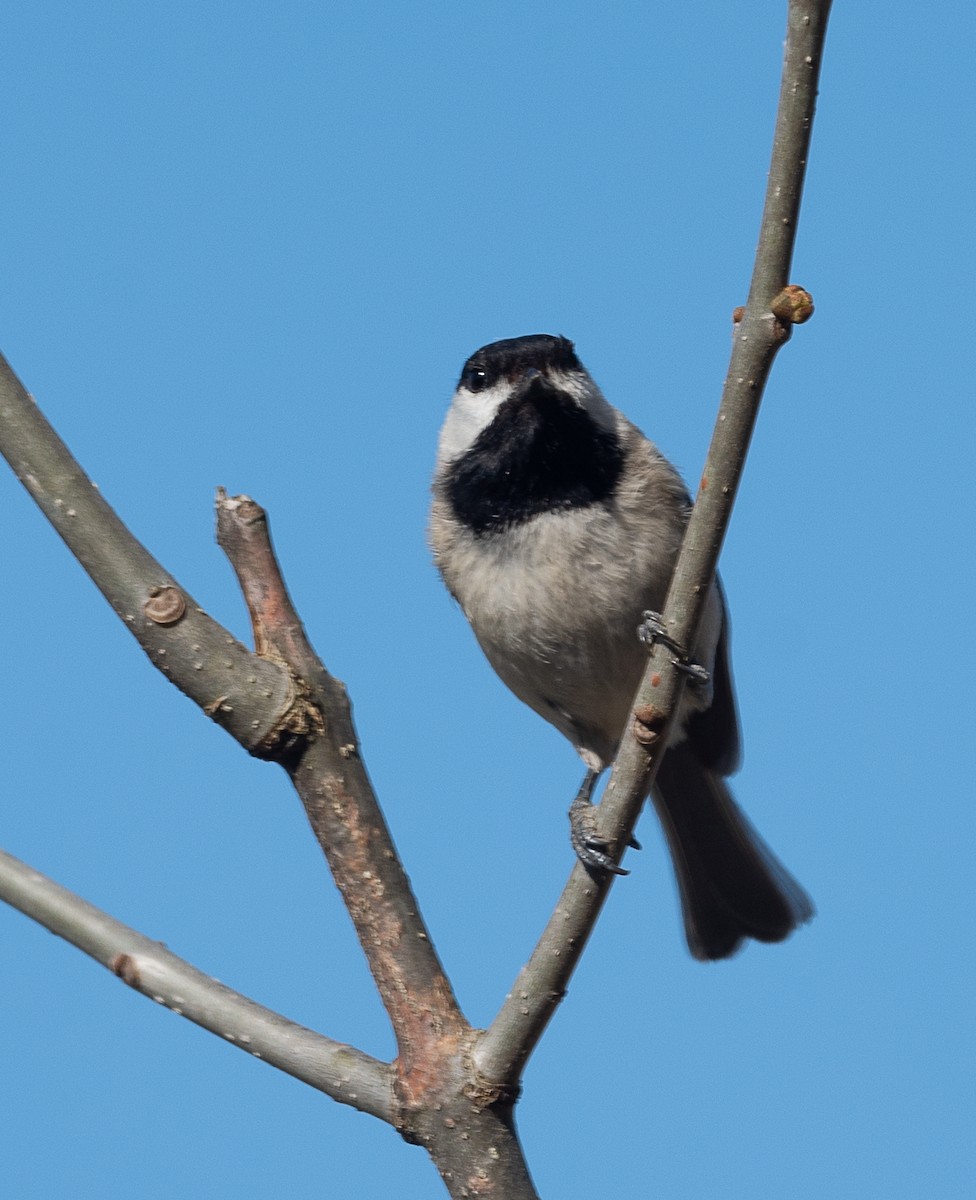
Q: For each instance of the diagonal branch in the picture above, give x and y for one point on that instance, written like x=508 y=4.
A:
x=280 y=704
x=325 y=766
x=249 y=697
x=763 y=328
x=342 y=1072
x=467 y=1130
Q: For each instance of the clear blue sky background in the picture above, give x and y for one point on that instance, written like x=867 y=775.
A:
x=252 y=247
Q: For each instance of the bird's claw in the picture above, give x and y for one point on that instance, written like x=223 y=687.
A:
x=696 y=673
x=591 y=851
x=591 y=848
x=652 y=629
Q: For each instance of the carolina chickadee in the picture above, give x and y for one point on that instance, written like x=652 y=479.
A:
x=556 y=524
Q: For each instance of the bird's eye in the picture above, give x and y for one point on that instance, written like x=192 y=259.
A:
x=475 y=379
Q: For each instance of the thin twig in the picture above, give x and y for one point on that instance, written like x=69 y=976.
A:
x=250 y=697
x=342 y=1072
x=541 y=984
x=261 y=699
x=326 y=768
x=281 y=705
x=467 y=1131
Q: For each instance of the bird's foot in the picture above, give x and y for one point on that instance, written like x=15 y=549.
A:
x=591 y=849
x=652 y=630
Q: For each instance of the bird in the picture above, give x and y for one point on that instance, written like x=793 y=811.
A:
x=555 y=523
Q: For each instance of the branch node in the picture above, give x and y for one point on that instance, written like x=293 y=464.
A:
x=299 y=719
x=127 y=969
x=648 y=723
x=793 y=305
x=165 y=606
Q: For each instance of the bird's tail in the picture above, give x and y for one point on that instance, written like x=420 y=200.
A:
x=732 y=886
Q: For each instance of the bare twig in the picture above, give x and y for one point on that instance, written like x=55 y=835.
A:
x=328 y=773
x=764 y=327
x=345 y=1074
x=283 y=705
x=251 y=698
x=264 y=700
x=469 y=1134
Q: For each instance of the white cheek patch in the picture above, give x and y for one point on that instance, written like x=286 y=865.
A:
x=470 y=412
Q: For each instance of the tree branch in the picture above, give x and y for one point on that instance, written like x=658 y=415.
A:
x=327 y=771
x=450 y=1089
x=280 y=704
x=264 y=700
x=251 y=698
x=763 y=329
x=468 y=1133
x=345 y=1074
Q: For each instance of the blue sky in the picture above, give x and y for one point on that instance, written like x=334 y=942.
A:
x=252 y=249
